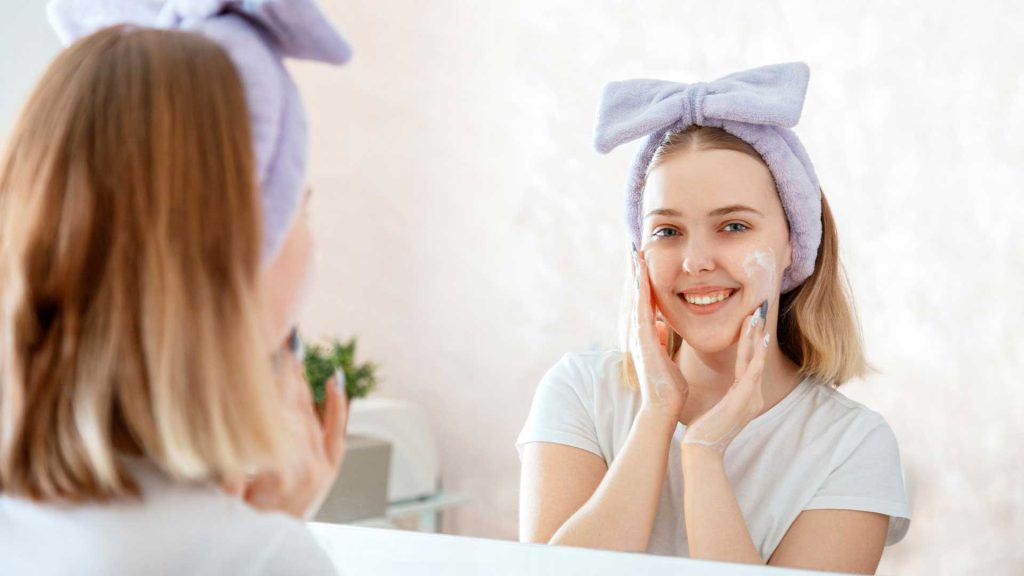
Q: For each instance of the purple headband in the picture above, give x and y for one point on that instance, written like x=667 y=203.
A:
x=257 y=35
x=758 y=106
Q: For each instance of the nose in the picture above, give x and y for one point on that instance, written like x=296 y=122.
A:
x=697 y=260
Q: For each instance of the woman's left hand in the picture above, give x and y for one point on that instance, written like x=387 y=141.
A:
x=744 y=401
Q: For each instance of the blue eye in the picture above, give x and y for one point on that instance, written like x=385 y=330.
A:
x=743 y=227
x=664 y=232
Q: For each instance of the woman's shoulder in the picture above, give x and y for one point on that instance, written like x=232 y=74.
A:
x=206 y=505
x=829 y=408
x=182 y=527
x=595 y=361
x=583 y=402
x=859 y=451
x=203 y=503
x=264 y=542
x=244 y=536
x=592 y=373
x=828 y=396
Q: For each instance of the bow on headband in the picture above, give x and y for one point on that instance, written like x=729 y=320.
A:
x=298 y=27
x=771 y=95
x=759 y=106
x=257 y=35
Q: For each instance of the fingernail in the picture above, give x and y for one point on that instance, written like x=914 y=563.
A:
x=339 y=380
x=756 y=318
x=767 y=339
x=764 y=309
x=636 y=266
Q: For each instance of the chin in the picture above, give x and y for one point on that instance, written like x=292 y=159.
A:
x=709 y=341
x=710 y=344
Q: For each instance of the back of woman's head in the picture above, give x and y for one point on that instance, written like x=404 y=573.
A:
x=129 y=253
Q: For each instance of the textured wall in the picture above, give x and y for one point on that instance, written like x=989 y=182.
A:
x=469 y=234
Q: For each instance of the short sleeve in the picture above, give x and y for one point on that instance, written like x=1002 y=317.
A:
x=869 y=477
x=561 y=412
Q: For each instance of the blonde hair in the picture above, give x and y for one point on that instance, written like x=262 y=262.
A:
x=129 y=256
x=817 y=327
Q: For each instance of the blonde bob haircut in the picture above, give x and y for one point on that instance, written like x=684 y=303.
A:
x=130 y=313
x=818 y=327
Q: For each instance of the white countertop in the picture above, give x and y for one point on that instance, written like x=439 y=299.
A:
x=359 y=551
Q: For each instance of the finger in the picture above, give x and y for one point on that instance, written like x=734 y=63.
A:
x=634 y=317
x=743 y=352
x=265 y=490
x=635 y=328
x=305 y=408
x=330 y=403
x=313 y=430
x=756 y=367
x=644 y=308
x=303 y=413
x=294 y=387
x=302 y=393
x=748 y=335
x=662 y=333
x=335 y=421
x=234 y=487
x=646 y=330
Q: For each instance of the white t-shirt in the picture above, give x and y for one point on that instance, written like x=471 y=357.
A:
x=815 y=449
x=175 y=529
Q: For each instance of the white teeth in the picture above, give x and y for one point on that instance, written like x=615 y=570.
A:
x=705 y=300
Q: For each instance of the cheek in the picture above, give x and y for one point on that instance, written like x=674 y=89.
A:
x=759 y=273
x=287 y=278
x=664 y=268
x=300 y=276
x=296 y=257
x=304 y=249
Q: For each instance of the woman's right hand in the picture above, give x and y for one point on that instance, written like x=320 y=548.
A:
x=662 y=386
x=574 y=498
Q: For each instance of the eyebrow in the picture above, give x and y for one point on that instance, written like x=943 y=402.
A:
x=724 y=210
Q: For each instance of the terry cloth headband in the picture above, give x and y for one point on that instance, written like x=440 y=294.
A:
x=257 y=35
x=758 y=106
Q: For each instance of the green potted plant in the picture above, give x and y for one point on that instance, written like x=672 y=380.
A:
x=360 y=489
x=322 y=361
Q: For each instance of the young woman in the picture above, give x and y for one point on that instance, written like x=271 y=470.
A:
x=152 y=255
x=723 y=437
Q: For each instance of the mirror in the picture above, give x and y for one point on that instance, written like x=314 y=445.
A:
x=469 y=237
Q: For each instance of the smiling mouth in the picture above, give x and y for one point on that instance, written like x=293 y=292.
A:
x=707 y=299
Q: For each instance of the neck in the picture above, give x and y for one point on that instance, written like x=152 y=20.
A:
x=707 y=372
x=710 y=374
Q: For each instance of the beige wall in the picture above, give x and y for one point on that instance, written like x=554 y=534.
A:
x=470 y=235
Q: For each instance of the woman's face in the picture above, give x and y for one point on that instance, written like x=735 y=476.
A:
x=286 y=279
x=716 y=240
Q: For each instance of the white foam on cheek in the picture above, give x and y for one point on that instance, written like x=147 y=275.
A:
x=759 y=266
